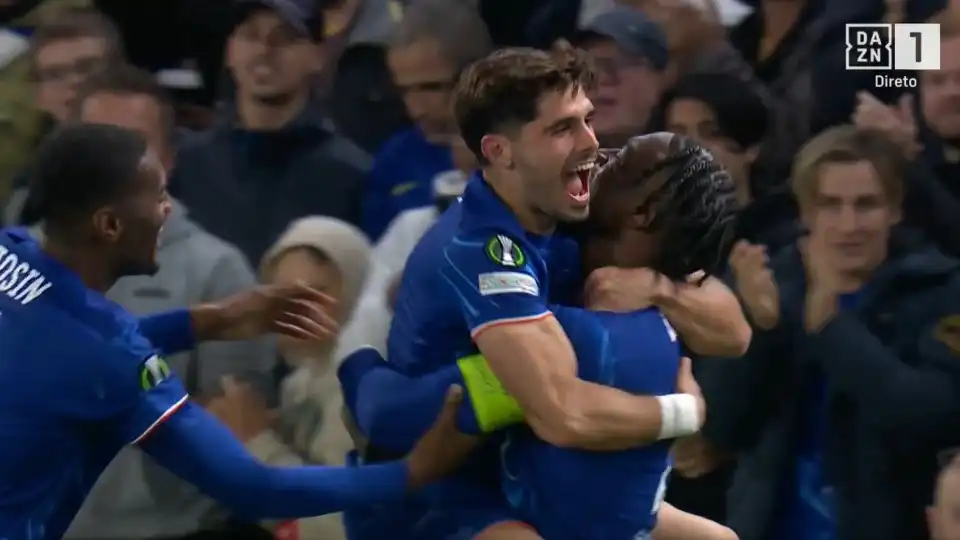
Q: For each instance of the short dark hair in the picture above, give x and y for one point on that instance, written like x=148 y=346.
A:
x=742 y=115
x=127 y=80
x=695 y=208
x=503 y=90
x=77 y=23
x=80 y=167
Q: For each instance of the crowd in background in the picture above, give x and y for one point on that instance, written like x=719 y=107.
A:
x=314 y=141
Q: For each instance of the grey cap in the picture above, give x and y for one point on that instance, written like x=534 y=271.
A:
x=632 y=31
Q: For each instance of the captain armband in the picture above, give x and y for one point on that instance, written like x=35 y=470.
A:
x=493 y=407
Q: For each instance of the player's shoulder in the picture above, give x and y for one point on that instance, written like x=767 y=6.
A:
x=495 y=247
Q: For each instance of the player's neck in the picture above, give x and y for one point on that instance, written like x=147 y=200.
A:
x=90 y=270
x=530 y=219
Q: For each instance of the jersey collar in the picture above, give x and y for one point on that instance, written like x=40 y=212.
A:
x=484 y=208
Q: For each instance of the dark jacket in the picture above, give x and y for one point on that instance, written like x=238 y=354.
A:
x=893 y=399
x=246 y=187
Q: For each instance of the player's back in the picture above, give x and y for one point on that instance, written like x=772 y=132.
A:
x=572 y=494
x=427 y=331
x=52 y=398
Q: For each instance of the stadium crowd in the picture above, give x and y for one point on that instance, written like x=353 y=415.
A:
x=314 y=141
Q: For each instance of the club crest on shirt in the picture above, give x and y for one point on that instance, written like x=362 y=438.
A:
x=505 y=252
x=153 y=371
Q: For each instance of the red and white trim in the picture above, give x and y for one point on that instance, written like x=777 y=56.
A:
x=512 y=320
x=161 y=419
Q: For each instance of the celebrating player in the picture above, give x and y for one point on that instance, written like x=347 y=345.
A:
x=664 y=203
x=479 y=280
x=80 y=377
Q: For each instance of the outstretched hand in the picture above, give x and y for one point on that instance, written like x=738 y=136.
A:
x=297 y=310
x=442 y=449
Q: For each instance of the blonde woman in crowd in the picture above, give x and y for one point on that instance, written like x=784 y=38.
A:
x=334 y=257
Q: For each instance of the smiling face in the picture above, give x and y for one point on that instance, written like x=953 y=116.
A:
x=131 y=226
x=554 y=155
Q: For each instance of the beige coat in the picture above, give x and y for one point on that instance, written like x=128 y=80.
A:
x=311 y=428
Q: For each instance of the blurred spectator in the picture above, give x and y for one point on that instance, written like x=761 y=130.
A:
x=355 y=83
x=272 y=156
x=333 y=257
x=371 y=324
x=136 y=498
x=434 y=41
x=929 y=138
x=943 y=516
x=45 y=54
x=849 y=388
x=726 y=115
x=66 y=50
x=630 y=54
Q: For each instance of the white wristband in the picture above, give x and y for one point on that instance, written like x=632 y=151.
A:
x=679 y=416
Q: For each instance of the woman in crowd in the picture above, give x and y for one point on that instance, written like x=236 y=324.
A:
x=333 y=257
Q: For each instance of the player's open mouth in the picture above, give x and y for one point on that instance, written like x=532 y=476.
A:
x=577 y=181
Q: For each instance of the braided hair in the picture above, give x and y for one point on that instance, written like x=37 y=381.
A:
x=695 y=208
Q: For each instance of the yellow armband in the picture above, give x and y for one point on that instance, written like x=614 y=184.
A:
x=492 y=405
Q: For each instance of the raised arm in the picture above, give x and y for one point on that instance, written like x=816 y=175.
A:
x=527 y=350
x=707 y=315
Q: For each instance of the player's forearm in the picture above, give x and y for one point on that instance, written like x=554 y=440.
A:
x=196 y=447
x=708 y=318
x=171 y=332
x=595 y=417
x=393 y=410
x=209 y=321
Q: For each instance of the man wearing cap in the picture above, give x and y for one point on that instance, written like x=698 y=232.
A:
x=273 y=155
x=630 y=54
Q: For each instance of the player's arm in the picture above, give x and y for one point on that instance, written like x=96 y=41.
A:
x=171 y=332
x=708 y=317
x=195 y=446
x=393 y=410
x=528 y=352
x=190 y=442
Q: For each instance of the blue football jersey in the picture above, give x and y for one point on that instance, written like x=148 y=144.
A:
x=78 y=381
x=569 y=494
x=476 y=267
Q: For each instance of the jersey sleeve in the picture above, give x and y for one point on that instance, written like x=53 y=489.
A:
x=160 y=396
x=141 y=393
x=496 y=279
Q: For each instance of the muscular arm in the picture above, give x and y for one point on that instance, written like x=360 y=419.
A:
x=535 y=363
x=708 y=317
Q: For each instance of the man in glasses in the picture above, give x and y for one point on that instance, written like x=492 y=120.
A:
x=630 y=56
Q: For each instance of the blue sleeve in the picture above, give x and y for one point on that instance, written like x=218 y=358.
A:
x=496 y=278
x=195 y=446
x=590 y=343
x=159 y=394
x=393 y=410
x=170 y=332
